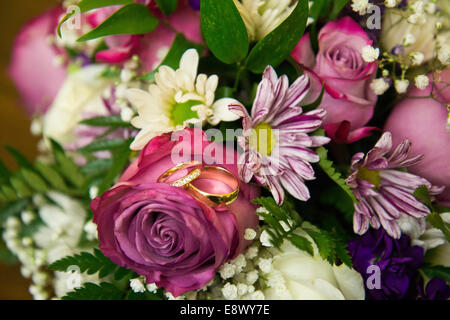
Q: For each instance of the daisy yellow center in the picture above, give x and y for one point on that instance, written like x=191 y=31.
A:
x=372 y=176
x=262 y=138
x=183 y=111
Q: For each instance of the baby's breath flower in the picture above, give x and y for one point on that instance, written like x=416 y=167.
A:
x=250 y=234
x=361 y=6
x=379 y=86
x=137 y=285
x=230 y=291
x=422 y=81
x=227 y=271
x=265 y=265
x=408 y=40
x=265 y=239
x=390 y=3
x=401 y=86
x=416 y=58
x=370 y=54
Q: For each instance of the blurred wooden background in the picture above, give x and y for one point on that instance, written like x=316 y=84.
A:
x=14 y=125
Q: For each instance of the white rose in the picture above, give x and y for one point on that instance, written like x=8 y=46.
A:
x=81 y=92
x=296 y=275
x=395 y=28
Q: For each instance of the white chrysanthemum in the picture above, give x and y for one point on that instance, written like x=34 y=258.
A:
x=379 y=86
x=361 y=6
x=401 y=86
x=262 y=16
x=177 y=99
x=422 y=81
x=370 y=54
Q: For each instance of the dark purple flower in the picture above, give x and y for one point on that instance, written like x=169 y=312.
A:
x=436 y=289
x=397 y=260
x=195 y=4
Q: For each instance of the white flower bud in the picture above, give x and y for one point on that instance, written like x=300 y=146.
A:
x=126 y=114
x=27 y=216
x=370 y=54
x=252 y=252
x=265 y=239
x=93 y=192
x=390 y=3
x=416 y=58
x=91 y=230
x=422 y=82
x=408 y=40
x=252 y=277
x=137 y=285
x=401 y=86
x=361 y=6
x=265 y=265
x=151 y=287
x=227 y=271
x=379 y=86
x=230 y=292
x=249 y=234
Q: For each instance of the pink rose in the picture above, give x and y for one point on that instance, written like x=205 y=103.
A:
x=32 y=57
x=160 y=231
x=346 y=76
x=152 y=47
x=423 y=122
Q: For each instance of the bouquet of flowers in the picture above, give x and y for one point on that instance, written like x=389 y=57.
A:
x=234 y=149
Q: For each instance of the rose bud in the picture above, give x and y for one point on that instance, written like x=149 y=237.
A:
x=423 y=121
x=346 y=76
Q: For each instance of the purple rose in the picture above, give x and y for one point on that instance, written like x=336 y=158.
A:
x=397 y=260
x=340 y=67
x=423 y=122
x=161 y=232
x=32 y=57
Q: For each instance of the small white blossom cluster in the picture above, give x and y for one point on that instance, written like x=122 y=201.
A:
x=412 y=35
x=31 y=258
x=361 y=6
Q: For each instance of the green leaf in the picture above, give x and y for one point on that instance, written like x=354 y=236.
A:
x=4 y=173
x=436 y=221
x=9 y=193
x=224 y=30
x=441 y=272
x=87 y=5
x=120 y=159
x=92 y=291
x=111 y=121
x=34 y=181
x=66 y=166
x=301 y=243
x=179 y=46
x=102 y=145
x=422 y=194
x=12 y=209
x=278 y=45
x=91 y=263
x=20 y=187
x=52 y=176
x=328 y=168
x=97 y=166
x=21 y=160
x=134 y=18
x=167 y=6
x=338 y=5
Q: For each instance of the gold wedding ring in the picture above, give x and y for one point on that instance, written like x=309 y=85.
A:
x=198 y=172
x=193 y=174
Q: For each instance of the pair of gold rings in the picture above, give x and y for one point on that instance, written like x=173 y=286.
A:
x=196 y=171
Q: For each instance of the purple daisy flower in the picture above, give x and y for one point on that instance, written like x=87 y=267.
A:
x=275 y=138
x=383 y=192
